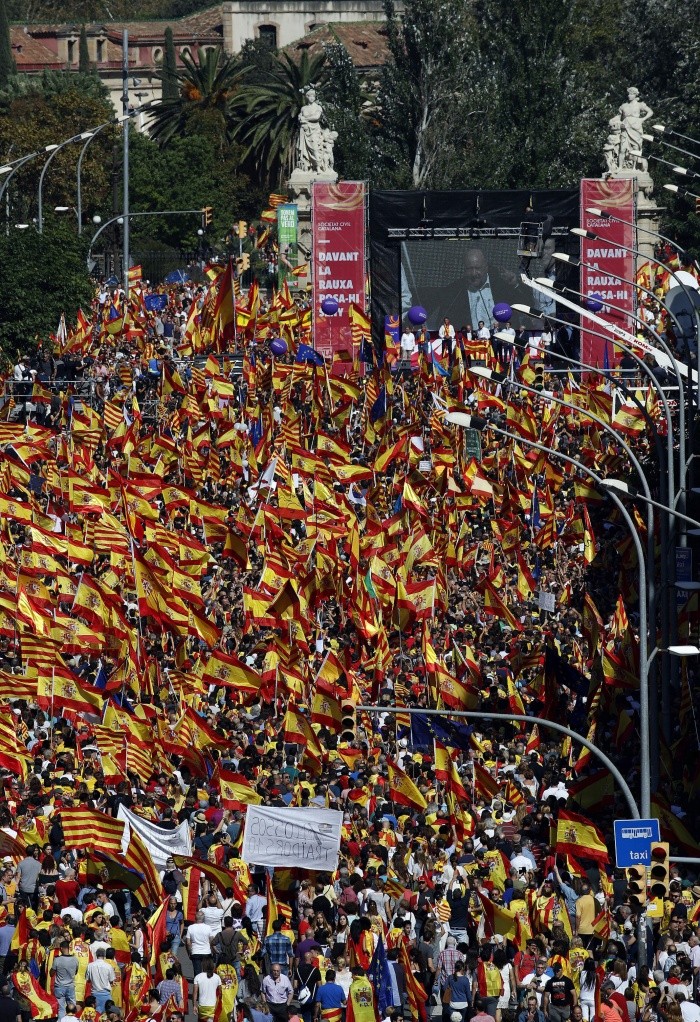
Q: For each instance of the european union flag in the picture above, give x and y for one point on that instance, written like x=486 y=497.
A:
x=101 y=679
x=366 y=352
x=305 y=353
x=378 y=409
x=425 y=727
x=381 y=976
x=256 y=432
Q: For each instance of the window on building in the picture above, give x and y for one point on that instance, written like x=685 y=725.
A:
x=157 y=56
x=268 y=35
x=100 y=50
x=71 y=51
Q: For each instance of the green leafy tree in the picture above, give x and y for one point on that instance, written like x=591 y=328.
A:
x=83 y=52
x=171 y=90
x=267 y=107
x=662 y=61
x=554 y=64
x=36 y=117
x=206 y=87
x=432 y=100
x=349 y=112
x=7 y=62
x=42 y=276
x=187 y=176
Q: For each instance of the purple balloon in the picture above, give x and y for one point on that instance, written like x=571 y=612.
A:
x=502 y=312
x=417 y=315
x=594 y=303
x=278 y=346
x=329 y=306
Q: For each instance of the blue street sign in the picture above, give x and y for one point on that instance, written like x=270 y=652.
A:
x=633 y=840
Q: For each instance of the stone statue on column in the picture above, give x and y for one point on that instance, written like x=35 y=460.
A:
x=623 y=146
x=315 y=146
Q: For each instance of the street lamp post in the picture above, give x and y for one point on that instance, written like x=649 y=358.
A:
x=545 y=282
x=120 y=119
x=79 y=191
x=118 y=219
x=54 y=150
x=668 y=617
x=475 y=422
x=11 y=169
x=592 y=236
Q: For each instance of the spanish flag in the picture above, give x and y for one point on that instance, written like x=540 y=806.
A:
x=402 y=789
x=234 y=788
x=41 y=1004
x=499 y=921
x=576 y=835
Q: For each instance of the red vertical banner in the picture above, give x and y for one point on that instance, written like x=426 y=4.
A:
x=338 y=242
x=609 y=262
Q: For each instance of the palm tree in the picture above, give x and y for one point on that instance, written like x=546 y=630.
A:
x=267 y=107
x=205 y=89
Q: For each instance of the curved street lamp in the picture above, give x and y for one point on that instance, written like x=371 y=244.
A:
x=54 y=149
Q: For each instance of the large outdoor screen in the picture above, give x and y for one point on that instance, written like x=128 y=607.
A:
x=464 y=279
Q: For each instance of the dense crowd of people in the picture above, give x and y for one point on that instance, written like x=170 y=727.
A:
x=210 y=561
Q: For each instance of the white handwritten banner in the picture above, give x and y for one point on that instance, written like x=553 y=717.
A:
x=305 y=837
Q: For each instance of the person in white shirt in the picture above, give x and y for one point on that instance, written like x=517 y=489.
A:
x=254 y=909
x=213 y=913
x=446 y=333
x=198 y=942
x=689 y=1010
x=408 y=344
x=204 y=991
x=101 y=975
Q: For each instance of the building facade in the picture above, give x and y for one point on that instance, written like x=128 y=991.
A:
x=290 y=24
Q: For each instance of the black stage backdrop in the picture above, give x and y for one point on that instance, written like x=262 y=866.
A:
x=433 y=272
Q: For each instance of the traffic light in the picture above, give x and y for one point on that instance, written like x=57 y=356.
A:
x=349 y=722
x=538 y=382
x=243 y=262
x=242 y=229
x=697 y=207
x=206 y=216
x=660 y=871
x=637 y=888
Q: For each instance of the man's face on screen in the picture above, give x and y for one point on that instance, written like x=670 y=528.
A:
x=476 y=270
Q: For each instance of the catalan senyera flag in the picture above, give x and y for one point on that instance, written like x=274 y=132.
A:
x=415 y=991
x=86 y=827
x=484 y=784
x=402 y=790
x=139 y=858
x=578 y=836
x=221 y=877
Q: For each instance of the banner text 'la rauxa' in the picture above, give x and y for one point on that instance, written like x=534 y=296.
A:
x=338 y=225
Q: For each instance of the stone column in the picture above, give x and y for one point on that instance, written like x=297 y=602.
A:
x=300 y=184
